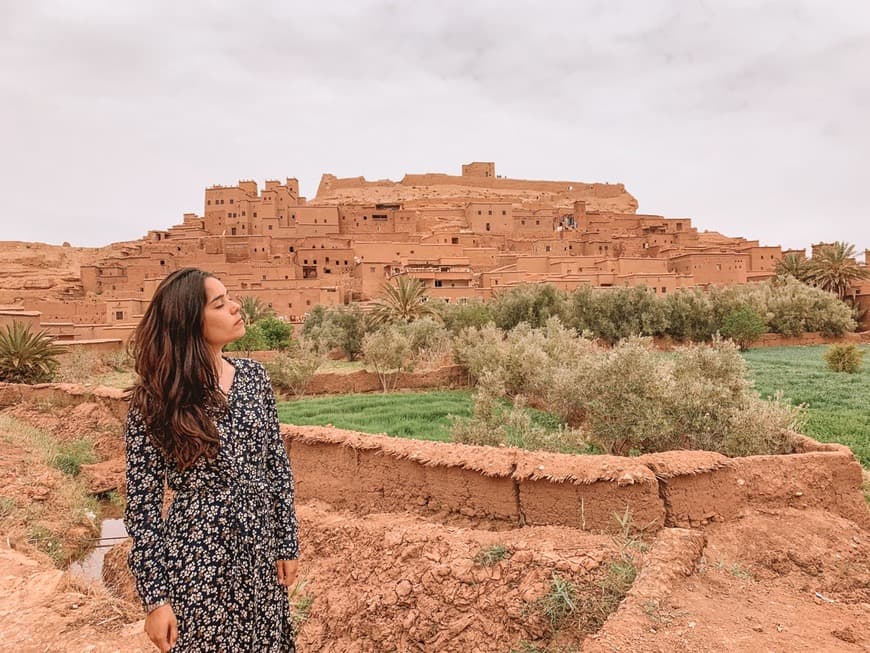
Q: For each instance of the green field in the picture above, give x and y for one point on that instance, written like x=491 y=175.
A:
x=421 y=415
x=838 y=405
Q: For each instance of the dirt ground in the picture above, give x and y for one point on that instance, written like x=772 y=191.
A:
x=778 y=579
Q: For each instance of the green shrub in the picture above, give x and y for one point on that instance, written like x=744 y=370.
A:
x=616 y=313
x=533 y=304
x=253 y=340
x=456 y=317
x=744 y=326
x=844 y=358
x=70 y=456
x=625 y=400
x=278 y=335
x=293 y=370
x=429 y=340
x=388 y=351
x=341 y=327
x=690 y=315
x=27 y=357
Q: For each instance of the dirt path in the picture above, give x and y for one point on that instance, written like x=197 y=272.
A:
x=44 y=610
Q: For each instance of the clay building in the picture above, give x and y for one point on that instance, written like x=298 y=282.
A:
x=465 y=236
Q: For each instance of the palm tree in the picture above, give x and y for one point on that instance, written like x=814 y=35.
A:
x=404 y=301
x=833 y=268
x=253 y=309
x=794 y=265
x=27 y=357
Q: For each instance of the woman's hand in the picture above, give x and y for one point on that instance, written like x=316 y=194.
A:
x=161 y=627
x=287 y=571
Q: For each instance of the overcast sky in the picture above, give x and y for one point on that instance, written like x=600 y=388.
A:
x=750 y=117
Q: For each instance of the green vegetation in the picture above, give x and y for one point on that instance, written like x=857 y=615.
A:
x=253 y=309
x=300 y=605
x=844 y=358
x=25 y=356
x=625 y=400
x=69 y=456
x=403 y=301
x=293 y=371
x=833 y=268
x=403 y=414
x=836 y=403
x=489 y=556
x=61 y=523
x=744 y=326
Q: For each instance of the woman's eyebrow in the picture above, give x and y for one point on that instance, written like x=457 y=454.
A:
x=212 y=301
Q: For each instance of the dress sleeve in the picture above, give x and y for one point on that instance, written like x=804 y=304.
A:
x=146 y=472
x=281 y=478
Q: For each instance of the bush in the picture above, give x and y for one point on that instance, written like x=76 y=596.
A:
x=497 y=422
x=533 y=304
x=27 y=357
x=793 y=308
x=293 y=370
x=744 y=326
x=388 y=351
x=341 y=327
x=253 y=340
x=474 y=313
x=626 y=400
x=690 y=315
x=429 y=341
x=278 y=335
x=616 y=313
x=844 y=358
x=714 y=408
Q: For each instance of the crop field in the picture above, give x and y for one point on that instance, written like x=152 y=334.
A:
x=837 y=404
x=422 y=415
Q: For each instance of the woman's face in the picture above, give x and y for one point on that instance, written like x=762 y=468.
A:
x=222 y=322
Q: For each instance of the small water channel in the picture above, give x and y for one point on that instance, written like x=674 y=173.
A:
x=112 y=532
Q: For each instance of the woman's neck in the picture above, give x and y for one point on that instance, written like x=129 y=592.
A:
x=217 y=355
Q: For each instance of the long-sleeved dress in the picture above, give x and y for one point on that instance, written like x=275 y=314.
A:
x=213 y=558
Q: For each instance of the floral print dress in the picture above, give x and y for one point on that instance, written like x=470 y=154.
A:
x=213 y=557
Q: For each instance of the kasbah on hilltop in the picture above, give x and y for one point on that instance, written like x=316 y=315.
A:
x=464 y=236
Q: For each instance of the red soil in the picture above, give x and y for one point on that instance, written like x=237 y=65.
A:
x=759 y=554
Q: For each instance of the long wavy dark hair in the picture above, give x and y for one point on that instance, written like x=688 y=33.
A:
x=177 y=391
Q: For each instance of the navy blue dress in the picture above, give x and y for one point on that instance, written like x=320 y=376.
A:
x=213 y=558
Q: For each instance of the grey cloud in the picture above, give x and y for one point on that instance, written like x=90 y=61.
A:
x=744 y=115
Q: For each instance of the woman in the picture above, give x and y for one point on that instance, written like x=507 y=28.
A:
x=210 y=576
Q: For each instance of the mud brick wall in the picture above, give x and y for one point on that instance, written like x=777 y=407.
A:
x=371 y=473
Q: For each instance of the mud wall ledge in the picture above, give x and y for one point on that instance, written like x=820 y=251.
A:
x=688 y=489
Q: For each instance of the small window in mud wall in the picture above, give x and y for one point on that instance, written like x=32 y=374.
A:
x=162 y=262
x=488 y=227
x=379 y=216
x=454 y=241
x=119 y=315
x=438 y=283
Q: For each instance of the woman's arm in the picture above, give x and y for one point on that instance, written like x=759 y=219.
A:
x=281 y=477
x=146 y=472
